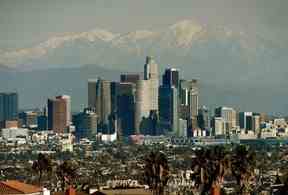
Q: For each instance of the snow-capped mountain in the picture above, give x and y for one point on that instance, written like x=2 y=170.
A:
x=201 y=50
x=183 y=39
x=234 y=67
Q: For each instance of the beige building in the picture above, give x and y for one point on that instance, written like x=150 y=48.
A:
x=59 y=113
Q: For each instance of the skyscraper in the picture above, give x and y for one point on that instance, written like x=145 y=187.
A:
x=143 y=102
x=99 y=98
x=228 y=115
x=189 y=96
x=146 y=93
x=86 y=124
x=28 y=119
x=171 y=78
x=168 y=109
x=189 y=103
x=129 y=78
x=151 y=74
x=204 y=118
x=256 y=120
x=218 y=126
x=245 y=120
x=126 y=108
x=8 y=106
x=59 y=113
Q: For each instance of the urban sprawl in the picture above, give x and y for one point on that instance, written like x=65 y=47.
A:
x=140 y=136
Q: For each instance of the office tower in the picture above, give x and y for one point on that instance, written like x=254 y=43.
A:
x=168 y=109
x=42 y=122
x=203 y=118
x=68 y=107
x=92 y=85
x=85 y=124
x=99 y=98
x=129 y=78
x=182 y=127
x=143 y=102
x=256 y=123
x=245 y=120
x=126 y=108
x=219 y=126
x=8 y=106
x=28 y=118
x=189 y=103
x=189 y=96
x=171 y=78
x=114 y=87
x=59 y=114
x=228 y=115
x=151 y=74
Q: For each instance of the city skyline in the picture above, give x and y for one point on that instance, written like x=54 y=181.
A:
x=240 y=51
x=149 y=97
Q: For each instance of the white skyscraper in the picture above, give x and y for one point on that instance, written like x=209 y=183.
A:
x=143 y=102
x=151 y=74
x=146 y=92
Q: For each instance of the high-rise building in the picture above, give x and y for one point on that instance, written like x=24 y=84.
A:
x=99 y=98
x=204 y=118
x=59 y=113
x=189 y=96
x=92 y=85
x=146 y=99
x=126 y=108
x=151 y=74
x=219 y=126
x=129 y=78
x=245 y=120
x=28 y=118
x=85 y=124
x=256 y=123
x=228 y=115
x=143 y=102
x=189 y=103
x=171 y=78
x=115 y=87
x=168 y=109
x=8 y=106
x=42 y=122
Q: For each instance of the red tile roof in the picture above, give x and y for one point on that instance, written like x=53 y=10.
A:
x=16 y=187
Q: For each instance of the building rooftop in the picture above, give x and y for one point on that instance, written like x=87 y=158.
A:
x=16 y=187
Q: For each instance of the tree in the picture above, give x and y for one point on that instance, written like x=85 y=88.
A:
x=243 y=163
x=67 y=173
x=209 y=167
x=42 y=165
x=156 y=172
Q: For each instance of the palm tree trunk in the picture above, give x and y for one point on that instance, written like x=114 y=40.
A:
x=215 y=190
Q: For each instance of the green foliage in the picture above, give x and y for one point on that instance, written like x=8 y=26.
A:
x=156 y=173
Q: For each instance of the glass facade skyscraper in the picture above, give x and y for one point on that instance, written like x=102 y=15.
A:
x=8 y=106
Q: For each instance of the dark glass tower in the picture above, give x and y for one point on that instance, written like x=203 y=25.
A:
x=8 y=106
x=171 y=78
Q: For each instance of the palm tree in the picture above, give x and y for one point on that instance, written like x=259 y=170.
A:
x=209 y=167
x=67 y=173
x=156 y=172
x=243 y=162
x=41 y=165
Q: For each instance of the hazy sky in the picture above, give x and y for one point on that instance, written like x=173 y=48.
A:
x=26 y=22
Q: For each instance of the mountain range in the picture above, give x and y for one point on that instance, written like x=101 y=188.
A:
x=233 y=67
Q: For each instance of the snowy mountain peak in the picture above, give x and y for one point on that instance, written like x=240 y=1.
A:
x=185 y=38
x=186 y=31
